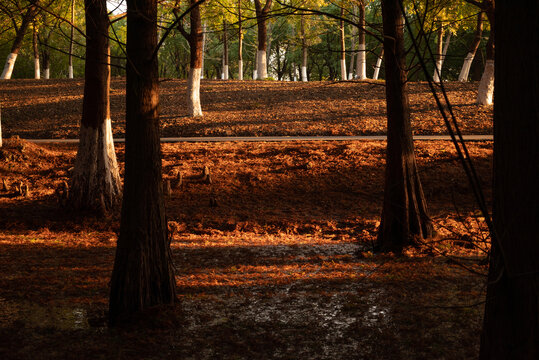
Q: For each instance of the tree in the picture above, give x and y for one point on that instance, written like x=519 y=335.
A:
x=142 y=275
x=511 y=321
x=361 y=65
x=195 y=39
x=485 y=92
x=95 y=183
x=28 y=16
x=262 y=18
x=70 y=69
x=404 y=213
x=474 y=45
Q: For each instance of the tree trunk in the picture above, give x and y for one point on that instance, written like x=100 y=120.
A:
x=439 y=49
x=203 y=50
x=440 y=62
x=95 y=184
x=378 y=65
x=361 y=65
x=343 y=48
x=142 y=276
x=240 y=43
x=404 y=214
x=225 y=51
x=195 y=38
x=71 y=40
x=304 y=51
x=261 y=18
x=464 y=72
x=37 y=72
x=485 y=93
x=16 y=46
x=511 y=321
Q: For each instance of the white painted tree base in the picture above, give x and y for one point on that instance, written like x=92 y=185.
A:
x=485 y=94
x=95 y=184
x=361 y=63
x=437 y=71
x=377 y=68
x=343 y=69
x=8 y=68
x=225 y=72
x=71 y=72
x=304 y=74
x=465 y=71
x=193 y=92
x=240 y=70
x=261 y=65
x=46 y=73
x=37 y=72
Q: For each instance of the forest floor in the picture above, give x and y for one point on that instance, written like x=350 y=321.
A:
x=273 y=259
x=52 y=109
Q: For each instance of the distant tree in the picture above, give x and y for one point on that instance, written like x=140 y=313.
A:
x=27 y=14
x=95 y=183
x=142 y=275
x=404 y=213
x=511 y=321
x=195 y=38
x=474 y=45
x=262 y=11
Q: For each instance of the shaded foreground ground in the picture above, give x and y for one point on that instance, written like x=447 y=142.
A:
x=52 y=108
x=270 y=272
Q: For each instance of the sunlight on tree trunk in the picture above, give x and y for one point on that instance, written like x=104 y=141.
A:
x=361 y=66
x=465 y=71
x=378 y=65
x=142 y=276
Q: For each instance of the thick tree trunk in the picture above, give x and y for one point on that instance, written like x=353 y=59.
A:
x=465 y=71
x=343 y=48
x=142 y=276
x=16 y=46
x=404 y=214
x=361 y=65
x=261 y=18
x=37 y=72
x=70 y=69
x=378 y=65
x=511 y=321
x=95 y=184
x=240 y=43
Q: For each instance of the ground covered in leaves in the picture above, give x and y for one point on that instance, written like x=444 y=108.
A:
x=273 y=258
x=52 y=108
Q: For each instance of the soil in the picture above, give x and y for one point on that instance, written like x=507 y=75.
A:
x=52 y=108
x=266 y=256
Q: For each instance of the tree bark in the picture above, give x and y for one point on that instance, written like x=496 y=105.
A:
x=261 y=18
x=465 y=71
x=17 y=43
x=142 y=276
x=95 y=184
x=511 y=321
x=361 y=65
x=404 y=214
